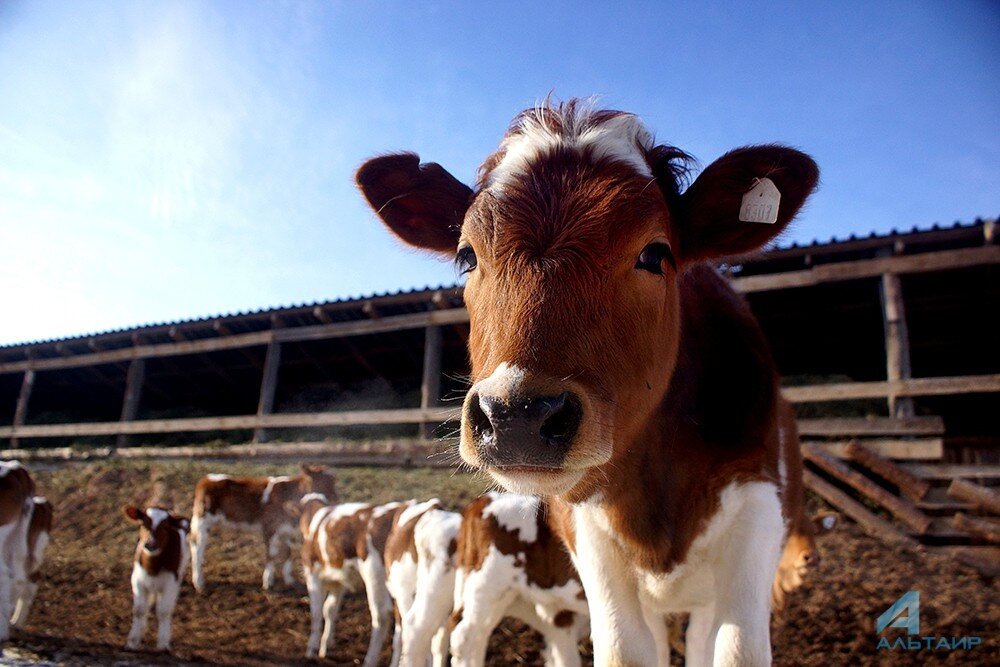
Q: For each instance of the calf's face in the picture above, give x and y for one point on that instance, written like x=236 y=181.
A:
x=572 y=245
x=155 y=526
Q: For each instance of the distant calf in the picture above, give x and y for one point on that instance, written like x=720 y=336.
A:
x=511 y=562
x=254 y=503
x=341 y=551
x=39 y=526
x=420 y=560
x=157 y=570
x=16 y=491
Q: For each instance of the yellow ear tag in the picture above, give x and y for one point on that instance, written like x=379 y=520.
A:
x=760 y=203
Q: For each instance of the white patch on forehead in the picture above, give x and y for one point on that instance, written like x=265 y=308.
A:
x=514 y=513
x=156 y=516
x=216 y=477
x=39 y=500
x=309 y=497
x=503 y=381
x=382 y=510
x=271 y=481
x=623 y=138
x=416 y=510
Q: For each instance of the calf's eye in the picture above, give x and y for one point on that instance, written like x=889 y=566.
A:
x=652 y=256
x=465 y=260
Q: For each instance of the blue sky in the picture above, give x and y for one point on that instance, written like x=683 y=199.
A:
x=164 y=160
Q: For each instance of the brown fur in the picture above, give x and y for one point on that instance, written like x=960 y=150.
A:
x=16 y=489
x=545 y=561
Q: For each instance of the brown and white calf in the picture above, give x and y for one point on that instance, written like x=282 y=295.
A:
x=16 y=491
x=161 y=556
x=39 y=527
x=342 y=550
x=254 y=503
x=512 y=563
x=420 y=561
x=614 y=369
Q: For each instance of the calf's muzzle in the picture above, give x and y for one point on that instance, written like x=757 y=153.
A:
x=518 y=431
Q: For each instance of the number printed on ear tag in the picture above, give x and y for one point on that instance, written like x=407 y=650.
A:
x=760 y=203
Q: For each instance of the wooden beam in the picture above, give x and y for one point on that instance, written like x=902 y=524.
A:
x=953 y=470
x=903 y=510
x=870 y=268
x=23 y=397
x=182 y=347
x=909 y=485
x=233 y=423
x=868 y=426
x=897 y=342
x=321 y=315
x=133 y=393
x=268 y=387
x=982 y=528
x=872 y=524
x=430 y=384
x=924 y=448
x=938 y=386
x=975 y=494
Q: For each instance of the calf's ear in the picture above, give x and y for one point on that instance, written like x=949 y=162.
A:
x=422 y=204
x=708 y=215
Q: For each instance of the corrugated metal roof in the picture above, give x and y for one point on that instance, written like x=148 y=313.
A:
x=360 y=299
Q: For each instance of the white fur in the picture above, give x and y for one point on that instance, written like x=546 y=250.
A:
x=217 y=477
x=314 y=496
x=624 y=138
x=414 y=510
x=382 y=510
x=724 y=582
x=156 y=517
x=514 y=513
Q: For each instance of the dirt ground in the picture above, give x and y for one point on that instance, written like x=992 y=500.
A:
x=83 y=609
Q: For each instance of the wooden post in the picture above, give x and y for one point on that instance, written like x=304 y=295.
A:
x=21 y=411
x=268 y=385
x=430 y=385
x=133 y=393
x=897 y=342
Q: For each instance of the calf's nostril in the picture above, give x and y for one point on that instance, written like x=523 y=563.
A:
x=562 y=418
x=478 y=417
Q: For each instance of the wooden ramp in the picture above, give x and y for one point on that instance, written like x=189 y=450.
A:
x=891 y=479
